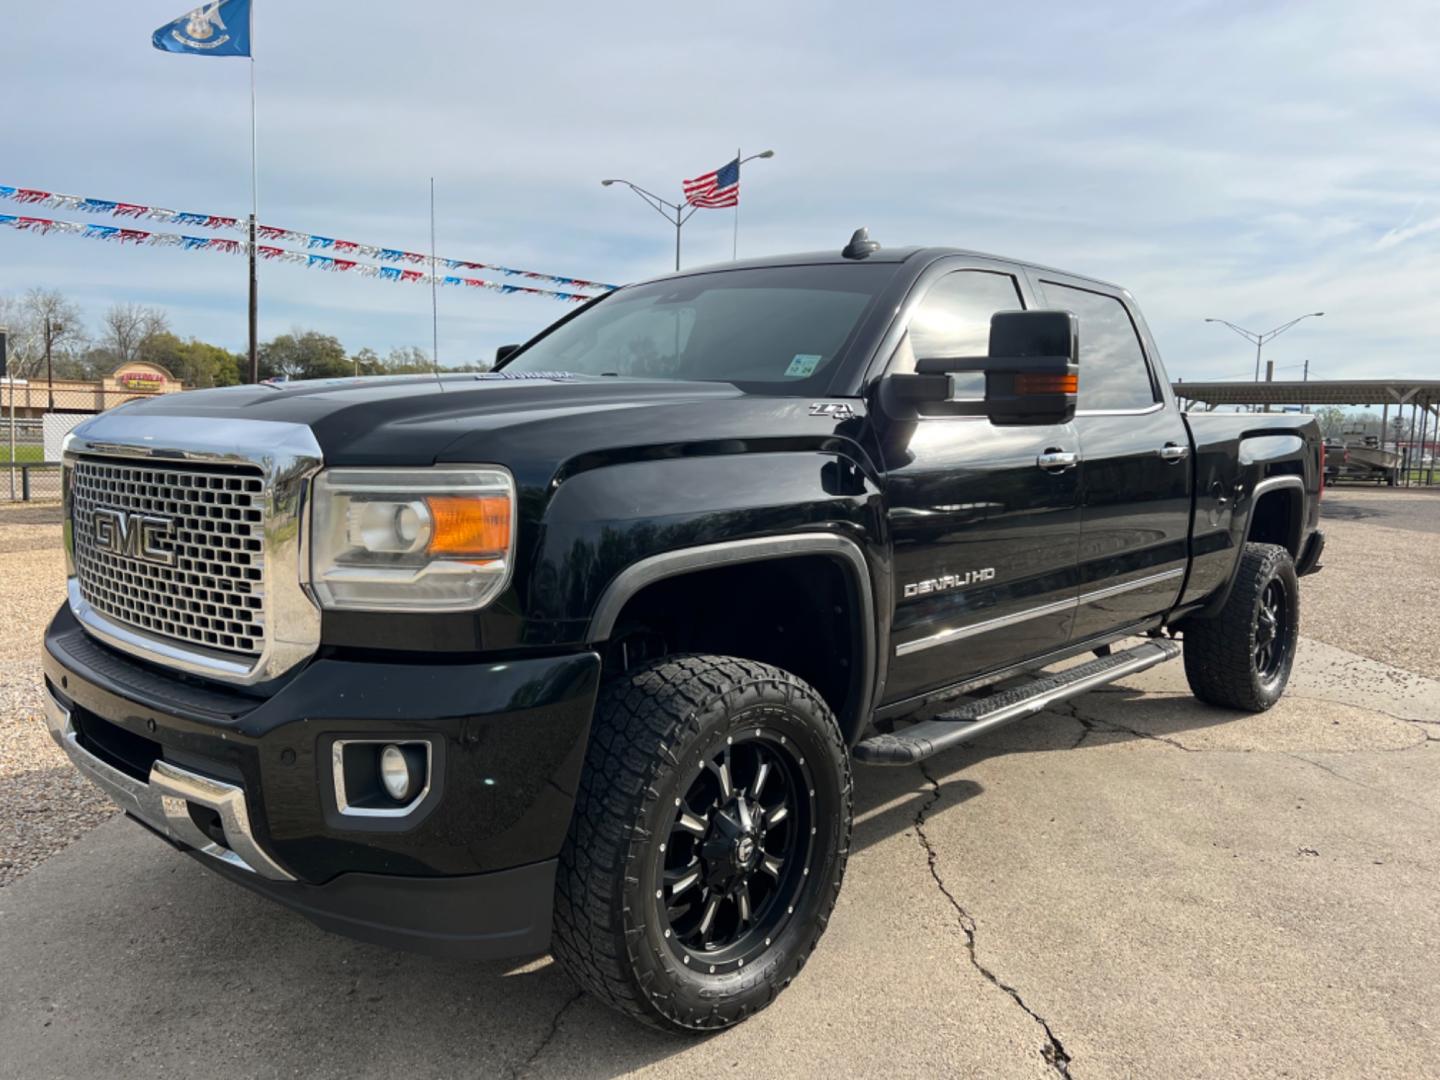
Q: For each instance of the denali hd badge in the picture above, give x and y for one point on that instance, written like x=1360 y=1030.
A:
x=946 y=582
x=136 y=536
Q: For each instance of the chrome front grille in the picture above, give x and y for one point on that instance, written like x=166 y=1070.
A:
x=186 y=540
x=202 y=583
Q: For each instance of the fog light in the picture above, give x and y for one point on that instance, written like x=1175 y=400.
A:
x=383 y=779
x=395 y=773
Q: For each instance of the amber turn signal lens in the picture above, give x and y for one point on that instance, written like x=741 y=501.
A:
x=1047 y=384
x=469 y=526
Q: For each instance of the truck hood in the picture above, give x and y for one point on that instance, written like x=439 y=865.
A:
x=529 y=424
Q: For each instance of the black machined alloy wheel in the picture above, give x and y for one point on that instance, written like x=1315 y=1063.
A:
x=708 y=842
x=1271 y=631
x=738 y=851
x=1241 y=658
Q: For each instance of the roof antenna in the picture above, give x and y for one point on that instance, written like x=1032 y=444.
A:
x=860 y=245
x=434 y=300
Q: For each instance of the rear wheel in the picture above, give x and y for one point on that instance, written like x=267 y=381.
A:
x=1241 y=658
x=708 y=843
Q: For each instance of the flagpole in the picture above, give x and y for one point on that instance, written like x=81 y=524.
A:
x=735 y=239
x=739 y=163
x=434 y=298
x=254 y=214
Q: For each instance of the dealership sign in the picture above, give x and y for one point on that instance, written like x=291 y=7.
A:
x=140 y=380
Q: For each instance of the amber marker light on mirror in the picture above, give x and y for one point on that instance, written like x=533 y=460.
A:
x=1047 y=384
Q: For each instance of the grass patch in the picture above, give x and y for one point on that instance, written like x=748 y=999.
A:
x=23 y=454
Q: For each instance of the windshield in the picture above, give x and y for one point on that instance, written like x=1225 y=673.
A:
x=783 y=327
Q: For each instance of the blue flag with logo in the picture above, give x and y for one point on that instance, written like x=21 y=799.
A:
x=221 y=28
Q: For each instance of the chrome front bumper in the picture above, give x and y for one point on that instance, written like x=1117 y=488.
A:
x=164 y=801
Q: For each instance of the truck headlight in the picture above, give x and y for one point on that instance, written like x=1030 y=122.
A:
x=438 y=539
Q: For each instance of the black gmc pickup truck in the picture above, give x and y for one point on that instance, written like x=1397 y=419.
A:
x=577 y=654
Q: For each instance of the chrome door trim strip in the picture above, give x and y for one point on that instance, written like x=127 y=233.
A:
x=1131 y=586
x=1122 y=412
x=960 y=633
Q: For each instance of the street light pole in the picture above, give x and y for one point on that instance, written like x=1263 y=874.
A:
x=51 y=329
x=1261 y=339
x=735 y=242
x=674 y=213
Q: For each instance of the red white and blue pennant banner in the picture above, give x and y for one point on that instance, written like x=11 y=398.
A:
x=139 y=211
x=310 y=259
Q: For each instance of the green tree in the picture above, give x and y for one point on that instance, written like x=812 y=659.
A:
x=307 y=355
x=408 y=361
x=195 y=363
x=367 y=362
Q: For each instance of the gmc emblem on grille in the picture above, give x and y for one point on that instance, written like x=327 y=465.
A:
x=136 y=536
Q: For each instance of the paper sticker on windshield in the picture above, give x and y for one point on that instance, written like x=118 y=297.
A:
x=803 y=365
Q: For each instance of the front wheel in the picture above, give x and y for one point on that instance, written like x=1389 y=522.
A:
x=1241 y=658
x=708 y=842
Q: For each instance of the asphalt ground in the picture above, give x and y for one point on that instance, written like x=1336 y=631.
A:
x=1131 y=885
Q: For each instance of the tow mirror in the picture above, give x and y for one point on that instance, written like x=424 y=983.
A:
x=1030 y=376
x=504 y=352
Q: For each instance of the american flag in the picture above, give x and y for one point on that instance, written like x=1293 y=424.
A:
x=715 y=189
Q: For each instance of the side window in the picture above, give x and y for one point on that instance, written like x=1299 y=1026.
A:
x=1113 y=372
x=953 y=319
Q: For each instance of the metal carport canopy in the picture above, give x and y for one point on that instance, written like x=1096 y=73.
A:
x=1422 y=392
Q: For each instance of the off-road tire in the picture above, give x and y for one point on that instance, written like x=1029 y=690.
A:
x=1220 y=652
x=653 y=727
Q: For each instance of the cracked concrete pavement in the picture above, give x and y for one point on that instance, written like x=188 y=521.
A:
x=1132 y=884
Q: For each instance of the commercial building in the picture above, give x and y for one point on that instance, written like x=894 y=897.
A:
x=35 y=397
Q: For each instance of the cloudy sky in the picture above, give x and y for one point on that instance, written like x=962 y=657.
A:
x=1249 y=161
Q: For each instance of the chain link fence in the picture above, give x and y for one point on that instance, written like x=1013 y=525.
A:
x=35 y=417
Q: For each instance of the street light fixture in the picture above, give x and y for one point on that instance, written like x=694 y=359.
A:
x=671 y=212
x=1260 y=340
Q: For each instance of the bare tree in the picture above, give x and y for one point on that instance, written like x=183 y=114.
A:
x=1331 y=419
x=26 y=317
x=128 y=328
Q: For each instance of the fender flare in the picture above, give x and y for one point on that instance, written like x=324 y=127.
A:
x=1259 y=491
x=670 y=564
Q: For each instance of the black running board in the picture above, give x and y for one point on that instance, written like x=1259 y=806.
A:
x=920 y=741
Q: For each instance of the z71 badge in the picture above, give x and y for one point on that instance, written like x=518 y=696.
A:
x=946 y=582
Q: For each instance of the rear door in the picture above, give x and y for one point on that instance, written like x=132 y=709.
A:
x=1136 y=477
x=985 y=533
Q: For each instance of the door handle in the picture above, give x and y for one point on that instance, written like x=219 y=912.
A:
x=1056 y=460
x=1173 y=452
